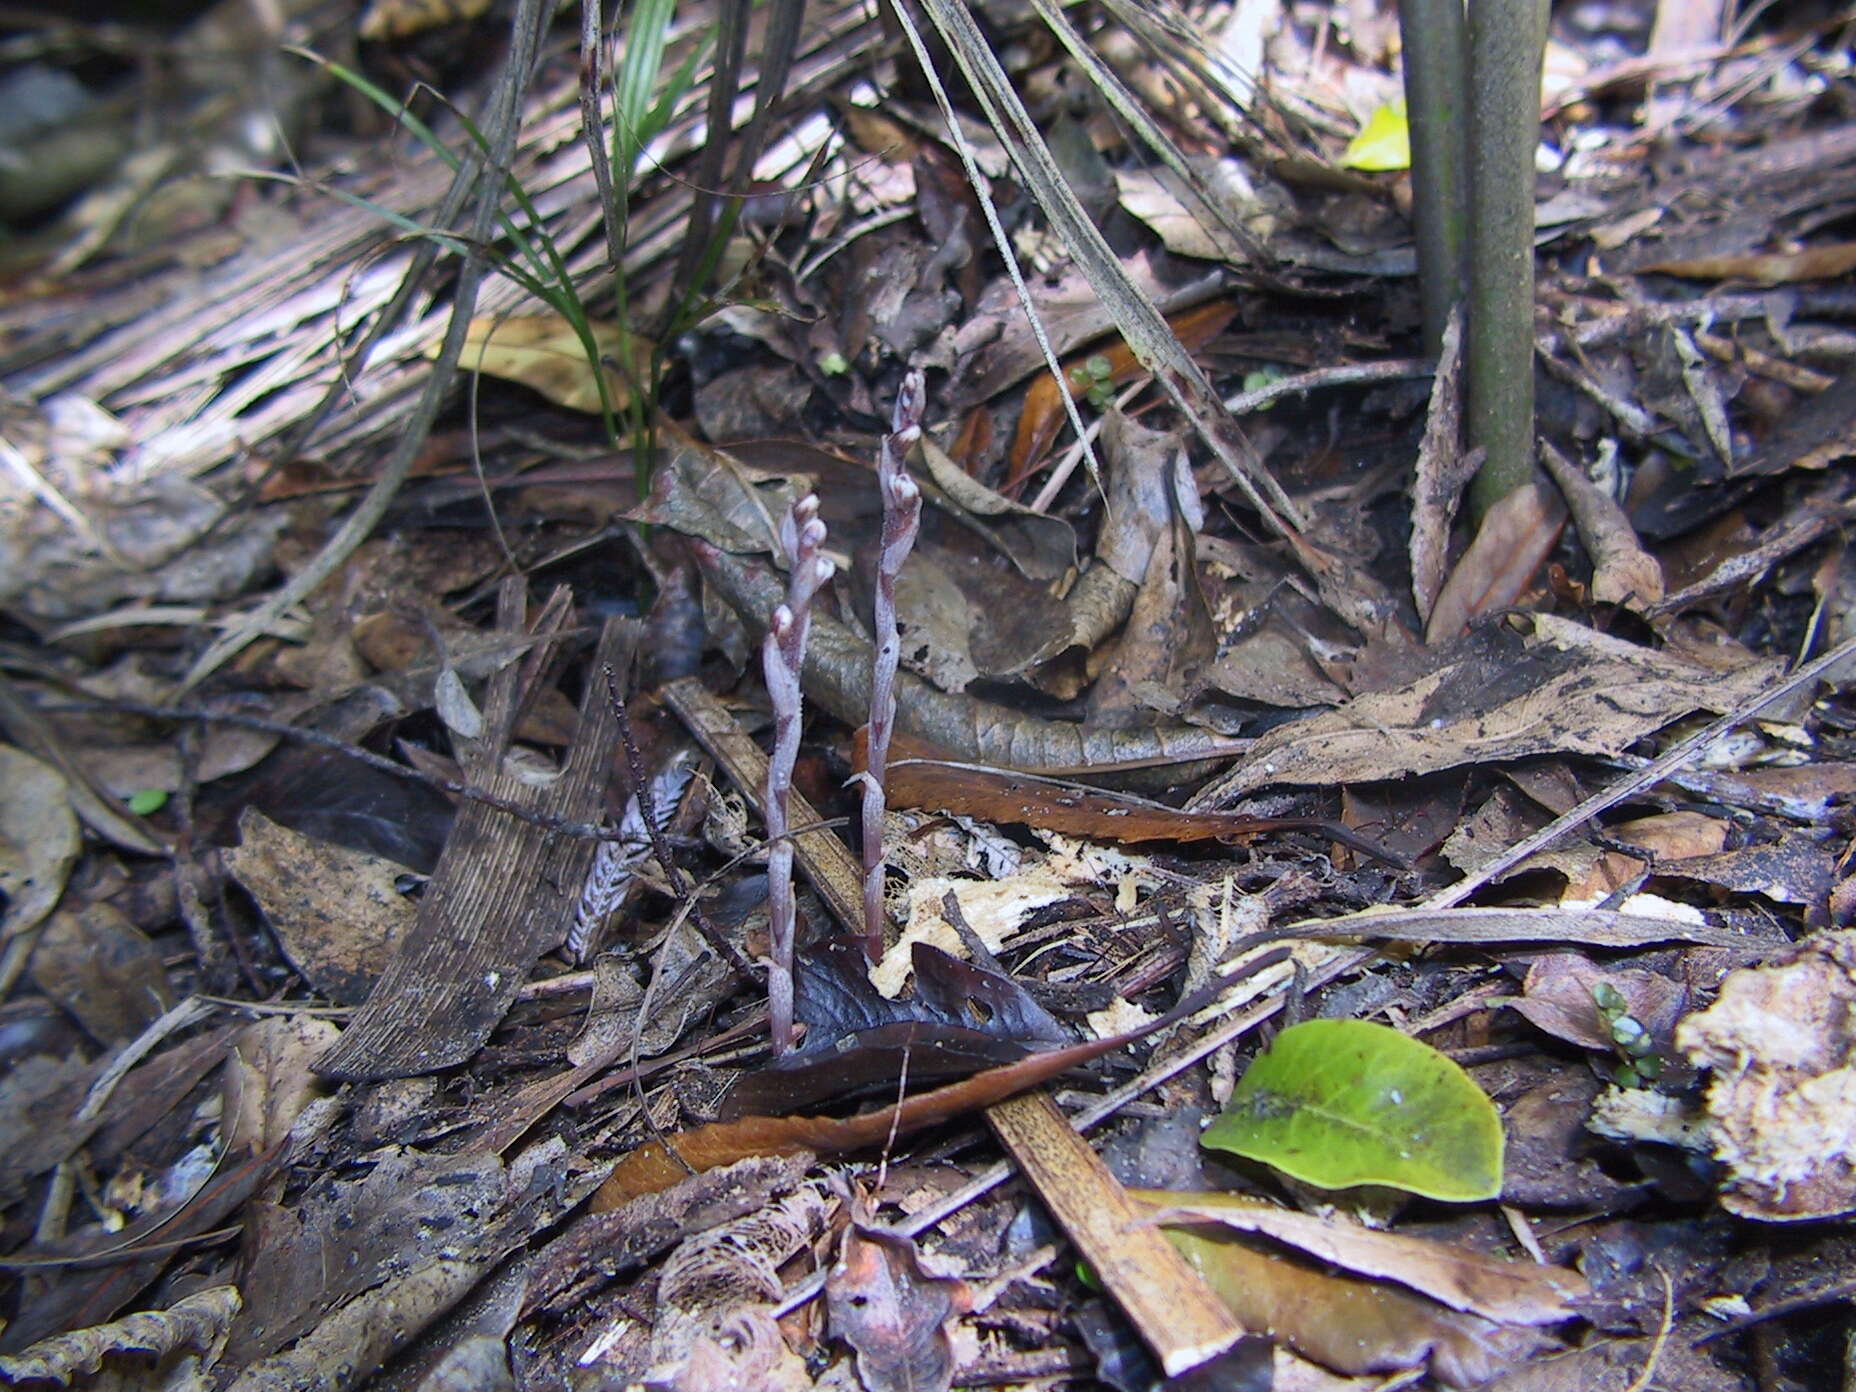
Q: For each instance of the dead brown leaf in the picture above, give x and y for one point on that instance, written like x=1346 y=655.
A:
x=542 y=351
x=1515 y=537
x=1507 y=1292
x=1535 y=686
x=38 y=839
x=1349 y=1325
x=103 y=969
x=893 y=1313
x=338 y=914
x=1766 y=268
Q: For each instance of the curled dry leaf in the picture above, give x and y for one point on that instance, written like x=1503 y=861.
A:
x=194 y=1326
x=1622 y=571
x=918 y=778
x=1350 y=1325
x=1442 y=472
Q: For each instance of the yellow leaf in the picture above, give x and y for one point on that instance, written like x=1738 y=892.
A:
x=1384 y=142
x=542 y=352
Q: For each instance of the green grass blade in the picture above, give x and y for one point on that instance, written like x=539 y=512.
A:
x=647 y=29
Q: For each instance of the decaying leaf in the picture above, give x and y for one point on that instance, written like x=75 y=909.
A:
x=599 y=1246
x=338 y=914
x=370 y=1260
x=392 y=20
x=542 y=351
x=1782 y=1104
x=1115 y=365
x=995 y=910
x=183 y=1342
x=715 y=1295
x=1352 y=1326
x=38 y=839
x=1338 y=1103
x=1560 y=997
x=728 y=511
x=1515 y=537
x=1157 y=198
x=653 y=1167
x=893 y=1313
x=103 y=969
x=917 y=778
x=1040 y=546
x=960 y=1018
x=1442 y=472
x=271 y=1081
x=37 y=1097
x=1552 y=686
x=1622 y=571
x=1766 y=268
x=1509 y=1292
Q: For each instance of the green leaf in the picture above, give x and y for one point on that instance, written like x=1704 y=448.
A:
x=1336 y=1103
x=1383 y=143
x=147 y=801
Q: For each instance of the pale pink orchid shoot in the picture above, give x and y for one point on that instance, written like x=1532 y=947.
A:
x=782 y=659
x=902 y=519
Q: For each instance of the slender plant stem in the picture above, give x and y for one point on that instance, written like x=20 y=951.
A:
x=902 y=520
x=593 y=129
x=1436 y=76
x=1505 y=42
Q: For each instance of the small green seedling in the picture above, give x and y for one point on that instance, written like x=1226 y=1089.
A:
x=1639 y=1065
x=1095 y=378
x=148 y=801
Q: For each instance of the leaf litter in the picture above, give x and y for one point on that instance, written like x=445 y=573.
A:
x=455 y=1059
